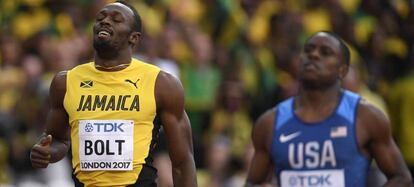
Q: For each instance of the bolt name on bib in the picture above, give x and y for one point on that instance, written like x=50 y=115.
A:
x=108 y=103
x=106 y=144
x=312 y=155
x=100 y=147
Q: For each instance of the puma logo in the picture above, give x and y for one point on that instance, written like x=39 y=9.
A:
x=133 y=83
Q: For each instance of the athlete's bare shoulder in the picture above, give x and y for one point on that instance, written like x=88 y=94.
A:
x=166 y=79
x=372 y=120
x=263 y=129
x=267 y=118
x=61 y=75
x=58 y=87
x=168 y=91
x=369 y=112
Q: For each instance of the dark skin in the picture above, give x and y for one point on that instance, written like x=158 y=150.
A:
x=117 y=19
x=323 y=67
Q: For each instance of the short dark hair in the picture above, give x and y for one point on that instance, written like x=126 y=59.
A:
x=344 y=48
x=137 y=18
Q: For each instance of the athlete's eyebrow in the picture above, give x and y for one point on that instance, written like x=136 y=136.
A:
x=103 y=11
x=331 y=47
x=309 y=45
x=115 y=12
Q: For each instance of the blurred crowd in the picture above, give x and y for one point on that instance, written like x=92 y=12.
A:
x=235 y=58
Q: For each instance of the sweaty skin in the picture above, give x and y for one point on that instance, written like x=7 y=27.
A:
x=169 y=95
x=315 y=102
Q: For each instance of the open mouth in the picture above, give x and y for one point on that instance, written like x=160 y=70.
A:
x=104 y=34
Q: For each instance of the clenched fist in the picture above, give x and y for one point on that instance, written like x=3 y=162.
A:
x=40 y=153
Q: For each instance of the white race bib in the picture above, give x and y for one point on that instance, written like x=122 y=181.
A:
x=106 y=144
x=318 y=178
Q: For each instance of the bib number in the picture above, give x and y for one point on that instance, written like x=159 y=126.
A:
x=106 y=144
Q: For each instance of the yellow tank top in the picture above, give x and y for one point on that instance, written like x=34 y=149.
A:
x=111 y=116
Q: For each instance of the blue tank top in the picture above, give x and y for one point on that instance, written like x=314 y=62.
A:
x=323 y=154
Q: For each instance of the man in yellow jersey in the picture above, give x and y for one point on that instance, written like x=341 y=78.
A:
x=105 y=110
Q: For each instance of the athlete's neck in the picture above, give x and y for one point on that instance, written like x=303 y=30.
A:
x=319 y=98
x=313 y=106
x=118 y=62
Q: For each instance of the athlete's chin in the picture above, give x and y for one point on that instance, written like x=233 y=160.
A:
x=103 y=45
x=105 y=49
x=312 y=83
x=309 y=79
x=316 y=85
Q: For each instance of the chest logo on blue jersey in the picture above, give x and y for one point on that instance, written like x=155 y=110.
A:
x=339 y=132
x=285 y=138
x=312 y=154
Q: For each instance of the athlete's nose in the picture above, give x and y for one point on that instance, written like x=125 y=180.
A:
x=104 y=22
x=313 y=54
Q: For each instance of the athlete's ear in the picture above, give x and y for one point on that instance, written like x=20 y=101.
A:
x=134 y=38
x=343 y=70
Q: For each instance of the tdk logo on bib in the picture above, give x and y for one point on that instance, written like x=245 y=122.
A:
x=320 y=178
x=104 y=127
x=310 y=180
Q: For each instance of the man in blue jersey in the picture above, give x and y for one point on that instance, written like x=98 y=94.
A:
x=324 y=136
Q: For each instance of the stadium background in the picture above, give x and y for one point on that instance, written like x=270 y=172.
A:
x=235 y=58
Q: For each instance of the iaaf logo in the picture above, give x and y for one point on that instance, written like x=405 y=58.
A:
x=104 y=127
x=88 y=127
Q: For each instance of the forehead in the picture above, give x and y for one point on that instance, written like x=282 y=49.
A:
x=324 y=39
x=118 y=7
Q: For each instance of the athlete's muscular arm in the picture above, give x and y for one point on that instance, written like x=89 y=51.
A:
x=54 y=143
x=170 y=107
x=262 y=137
x=381 y=146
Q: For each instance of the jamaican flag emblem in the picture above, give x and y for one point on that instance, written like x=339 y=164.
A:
x=86 y=84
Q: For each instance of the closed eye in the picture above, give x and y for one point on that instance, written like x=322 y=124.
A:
x=326 y=51
x=308 y=48
x=100 y=16
x=118 y=18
